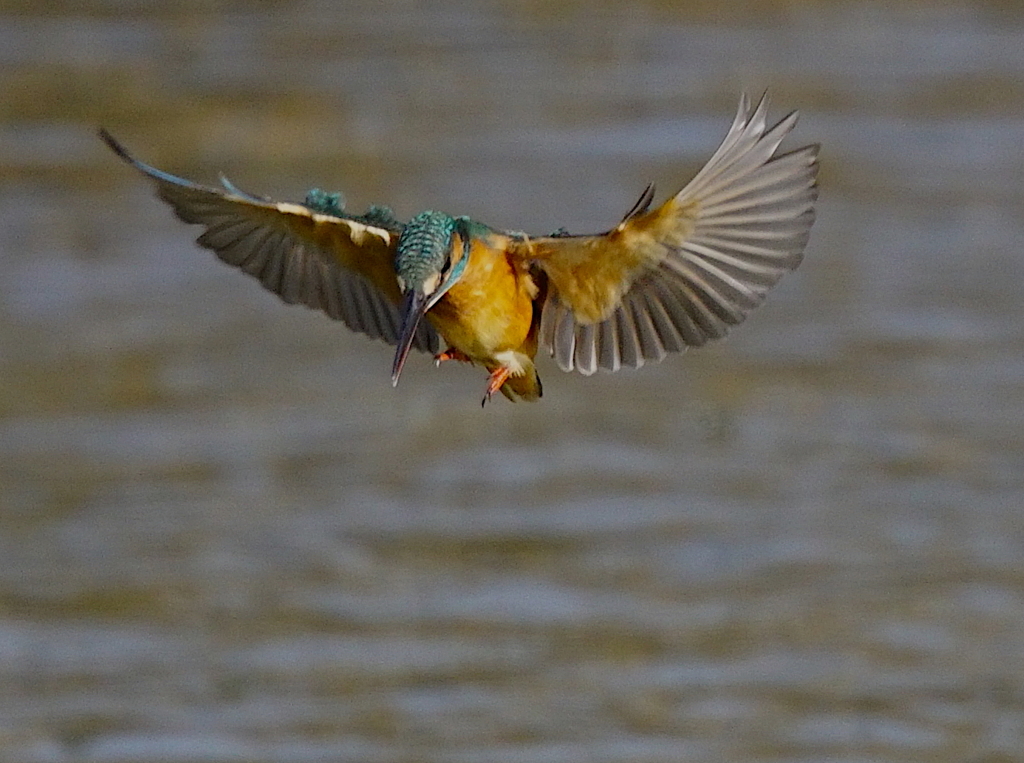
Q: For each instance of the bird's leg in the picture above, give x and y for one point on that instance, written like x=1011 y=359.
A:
x=497 y=378
x=451 y=354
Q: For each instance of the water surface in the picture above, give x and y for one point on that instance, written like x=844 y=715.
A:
x=225 y=537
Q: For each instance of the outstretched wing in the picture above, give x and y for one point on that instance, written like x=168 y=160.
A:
x=684 y=273
x=336 y=264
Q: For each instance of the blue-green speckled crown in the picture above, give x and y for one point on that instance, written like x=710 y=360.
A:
x=423 y=247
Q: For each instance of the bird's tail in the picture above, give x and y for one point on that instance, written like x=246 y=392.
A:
x=525 y=386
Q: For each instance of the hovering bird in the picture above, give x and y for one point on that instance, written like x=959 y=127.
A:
x=660 y=281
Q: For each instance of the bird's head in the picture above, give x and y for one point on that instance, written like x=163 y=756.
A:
x=427 y=264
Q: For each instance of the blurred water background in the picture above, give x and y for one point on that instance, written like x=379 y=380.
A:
x=225 y=537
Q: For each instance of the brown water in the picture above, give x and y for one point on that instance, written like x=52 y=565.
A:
x=224 y=537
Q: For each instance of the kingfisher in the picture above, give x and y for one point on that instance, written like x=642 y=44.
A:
x=662 y=280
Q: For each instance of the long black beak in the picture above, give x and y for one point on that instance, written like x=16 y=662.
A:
x=413 y=308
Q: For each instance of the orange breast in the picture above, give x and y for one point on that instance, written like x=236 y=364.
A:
x=490 y=309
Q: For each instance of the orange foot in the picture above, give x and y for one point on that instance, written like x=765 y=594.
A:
x=451 y=354
x=497 y=378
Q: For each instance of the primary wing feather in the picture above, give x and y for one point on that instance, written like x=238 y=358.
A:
x=339 y=265
x=684 y=273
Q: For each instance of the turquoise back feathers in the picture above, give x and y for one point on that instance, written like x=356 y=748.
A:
x=333 y=204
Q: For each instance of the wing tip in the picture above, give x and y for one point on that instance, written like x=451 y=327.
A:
x=159 y=176
x=641 y=205
x=115 y=145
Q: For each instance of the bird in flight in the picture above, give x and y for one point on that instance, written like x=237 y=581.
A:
x=662 y=280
